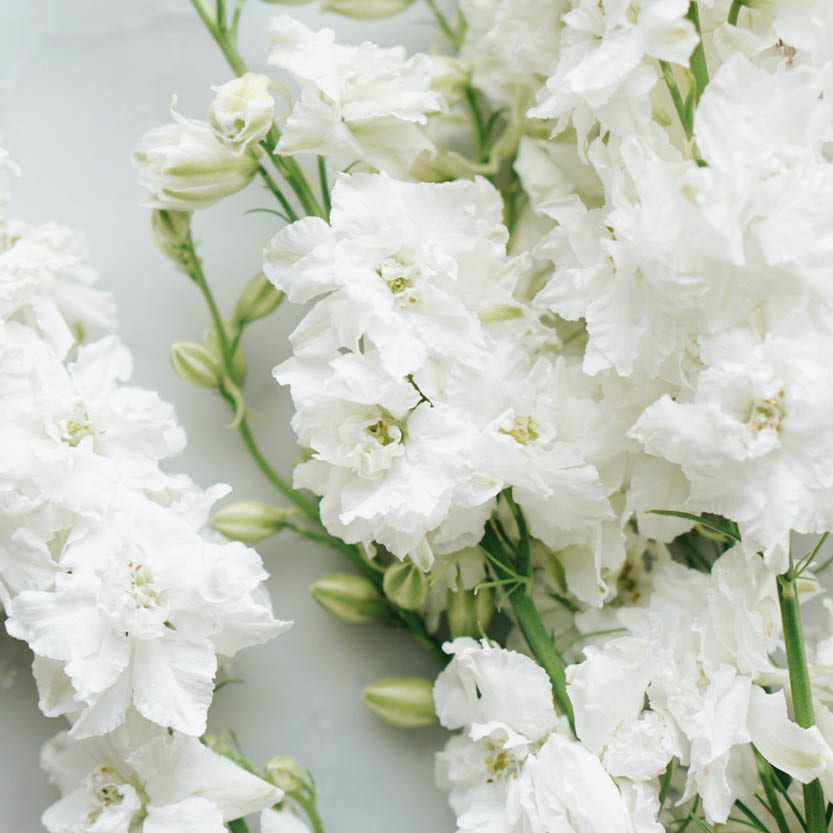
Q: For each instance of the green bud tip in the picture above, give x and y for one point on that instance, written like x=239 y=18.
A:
x=406 y=585
x=257 y=300
x=195 y=363
x=250 y=520
x=406 y=702
x=349 y=598
x=285 y=773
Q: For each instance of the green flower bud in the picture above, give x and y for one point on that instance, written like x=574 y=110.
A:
x=250 y=520
x=407 y=702
x=406 y=585
x=195 y=363
x=285 y=773
x=258 y=299
x=365 y=9
x=172 y=234
x=470 y=613
x=350 y=598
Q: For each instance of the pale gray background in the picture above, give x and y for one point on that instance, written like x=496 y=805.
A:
x=80 y=82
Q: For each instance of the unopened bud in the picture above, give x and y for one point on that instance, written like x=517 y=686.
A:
x=285 y=773
x=407 y=702
x=238 y=360
x=406 y=585
x=250 y=520
x=350 y=598
x=258 y=299
x=242 y=111
x=195 y=363
x=172 y=234
x=470 y=613
x=365 y=9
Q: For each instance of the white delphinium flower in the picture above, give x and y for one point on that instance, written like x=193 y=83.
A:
x=390 y=466
x=753 y=441
x=145 y=779
x=47 y=284
x=696 y=647
x=605 y=71
x=358 y=103
x=137 y=614
x=242 y=111
x=414 y=268
x=281 y=821
x=184 y=166
x=512 y=47
x=503 y=702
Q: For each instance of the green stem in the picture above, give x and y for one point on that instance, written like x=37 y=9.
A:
x=310 y=809
x=699 y=69
x=765 y=773
x=676 y=97
x=325 y=188
x=454 y=38
x=238 y=826
x=802 y=694
x=306 y=505
x=532 y=627
x=275 y=189
x=480 y=138
x=734 y=11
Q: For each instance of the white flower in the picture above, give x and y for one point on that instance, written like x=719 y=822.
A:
x=146 y=779
x=281 y=821
x=136 y=616
x=564 y=787
x=46 y=284
x=412 y=267
x=242 y=111
x=603 y=72
x=390 y=466
x=184 y=166
x=753 y=443
x=358 y=103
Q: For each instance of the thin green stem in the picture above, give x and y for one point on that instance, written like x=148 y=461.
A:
x=275 y=189
x=325 y=188
x=734 y=11
x=665 y=785
x=676 y=96
x=454 y=38
x=533 y=629
x=311 y=810
x=766 y=775
x=238 y=826
x=480 y=137
x=802 y=694
x=697 y=61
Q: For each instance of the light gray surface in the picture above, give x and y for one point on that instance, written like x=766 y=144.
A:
x=80 y=82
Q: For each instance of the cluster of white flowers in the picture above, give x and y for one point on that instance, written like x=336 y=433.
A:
x=105 y=569
x=615 y=299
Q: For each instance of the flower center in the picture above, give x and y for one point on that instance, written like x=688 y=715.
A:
x=499 y=763
x=400 y=278
x=384 y=433
x=523 y=431
x=768 y=413
x=76 y=427
x=141 y=587
x=111 y=796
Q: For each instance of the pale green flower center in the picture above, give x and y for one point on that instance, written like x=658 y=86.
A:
x=523 y=431
x=499 y=763
x=76 y=427
x=141 y=586
x=768 y=413
x=384 y=432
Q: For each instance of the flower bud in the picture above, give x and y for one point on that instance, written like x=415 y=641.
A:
x=195 y=363
x=407 y=702
x=365 y=9
x=242 y=111
x=406 y=585
x=238 y=360
x=172 y=234
x=350 y=598
x=470 y=613
x=250 y=520
x=184 y=167
x=258 y=299
x=285 y=773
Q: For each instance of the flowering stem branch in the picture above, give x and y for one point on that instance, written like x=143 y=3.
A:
x=699 y=69
x=802 y=694
x=289 y=169
x=454 y=38
x=766 y=775
x=529 y=620
x=238 y=826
